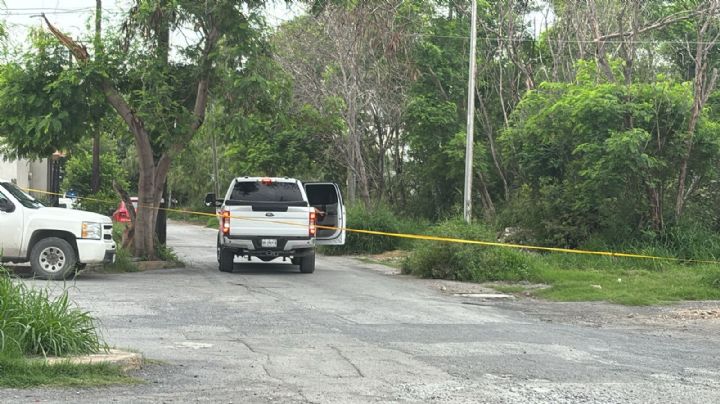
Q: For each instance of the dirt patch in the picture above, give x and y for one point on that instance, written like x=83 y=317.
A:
x=392 y=258
x=697 y=314
x=126 y=360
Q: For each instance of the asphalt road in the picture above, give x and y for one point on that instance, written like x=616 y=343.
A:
x=351 y=333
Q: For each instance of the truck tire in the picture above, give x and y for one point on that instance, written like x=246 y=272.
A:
x=53 y=258
x=226 y=260
x=307 y=264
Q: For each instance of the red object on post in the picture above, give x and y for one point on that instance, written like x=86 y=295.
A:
x=121 y=215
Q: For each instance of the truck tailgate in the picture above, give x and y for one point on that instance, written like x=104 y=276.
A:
x=246 y=221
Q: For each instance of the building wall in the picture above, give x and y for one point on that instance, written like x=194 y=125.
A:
x=25 y=173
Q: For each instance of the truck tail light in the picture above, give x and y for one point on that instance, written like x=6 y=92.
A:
x=266 y=181
x=225 y=222
x=312 y=229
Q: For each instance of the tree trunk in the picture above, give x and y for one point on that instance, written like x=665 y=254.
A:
x=702 y=87
x=95 y=180
x=656 y=208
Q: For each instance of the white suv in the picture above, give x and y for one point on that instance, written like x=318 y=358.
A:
x=55 y=241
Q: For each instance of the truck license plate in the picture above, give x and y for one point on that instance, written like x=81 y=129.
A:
x=268 y=243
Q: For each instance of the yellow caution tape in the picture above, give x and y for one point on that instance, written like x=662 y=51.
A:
x=417 y=236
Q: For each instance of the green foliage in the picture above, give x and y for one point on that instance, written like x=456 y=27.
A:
x=25 y=373
x=166 y=253
x=213 y=223
x=587 y=158
x=78 y=174
x=34 y=323
x=562 y=277
x=45 y=104
x=467 y=262
x=378 y=218
x=123 y=262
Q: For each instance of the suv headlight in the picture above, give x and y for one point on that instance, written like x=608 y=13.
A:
x=91 y=230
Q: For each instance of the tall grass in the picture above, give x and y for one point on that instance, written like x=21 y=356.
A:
x=34 y=323
x=467 y=262
x=379 y=218
x=572 y=277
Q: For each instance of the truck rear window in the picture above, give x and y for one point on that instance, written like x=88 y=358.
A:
x=255 y=191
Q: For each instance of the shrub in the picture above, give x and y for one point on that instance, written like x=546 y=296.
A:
x=467 y=262
x=34 y=323
x=379 y=218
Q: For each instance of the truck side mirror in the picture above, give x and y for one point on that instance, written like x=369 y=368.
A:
x=6 y=206
x=210 y=200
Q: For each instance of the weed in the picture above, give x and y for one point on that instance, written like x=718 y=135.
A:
x=570 y=277
x=34 y=323
x=379 y=218
x=123 y=262
x=24 y=373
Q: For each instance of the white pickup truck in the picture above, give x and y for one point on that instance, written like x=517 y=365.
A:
x=55 y=241
x=270 y=218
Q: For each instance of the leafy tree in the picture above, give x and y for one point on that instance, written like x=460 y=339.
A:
x=150 y=90
x=79 y=171
x=45 y=103
x=581 y=170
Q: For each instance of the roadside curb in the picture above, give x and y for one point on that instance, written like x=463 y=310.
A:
x=124 y=359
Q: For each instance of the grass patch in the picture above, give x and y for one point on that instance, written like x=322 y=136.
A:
x=24 y=373
x=33 y=323
x=379 y=218
x=621 y=283
x=570 y=277
x=123 y=262
x=510 y=289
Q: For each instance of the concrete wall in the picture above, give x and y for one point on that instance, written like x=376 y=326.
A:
x=27 y=174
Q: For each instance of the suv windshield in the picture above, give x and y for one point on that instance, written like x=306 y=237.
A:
x=256 y=191
x=24 y=199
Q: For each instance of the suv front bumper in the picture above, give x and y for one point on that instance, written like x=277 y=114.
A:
x=95 y=251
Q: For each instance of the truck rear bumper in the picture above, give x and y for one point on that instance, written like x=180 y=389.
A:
x=286 y=247
x=255 y=243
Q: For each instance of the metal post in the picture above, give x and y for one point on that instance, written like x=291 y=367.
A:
x=470 y=117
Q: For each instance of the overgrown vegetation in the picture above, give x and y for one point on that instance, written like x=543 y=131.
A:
x=24 y=373
x=379 y=219
x=34 y=323
x=568 y=277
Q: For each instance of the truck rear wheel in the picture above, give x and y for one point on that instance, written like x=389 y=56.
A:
x=226 y=260
x=307 y=264
x=53 y=258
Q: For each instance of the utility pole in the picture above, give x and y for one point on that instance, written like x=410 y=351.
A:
x=95 y=179
x=467 y=211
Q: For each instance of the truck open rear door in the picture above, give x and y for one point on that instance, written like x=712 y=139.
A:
x=331 y=219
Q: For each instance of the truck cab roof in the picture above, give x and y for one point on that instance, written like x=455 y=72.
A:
x=271 y=179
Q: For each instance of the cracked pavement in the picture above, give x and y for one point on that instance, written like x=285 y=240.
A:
x=353 y=333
